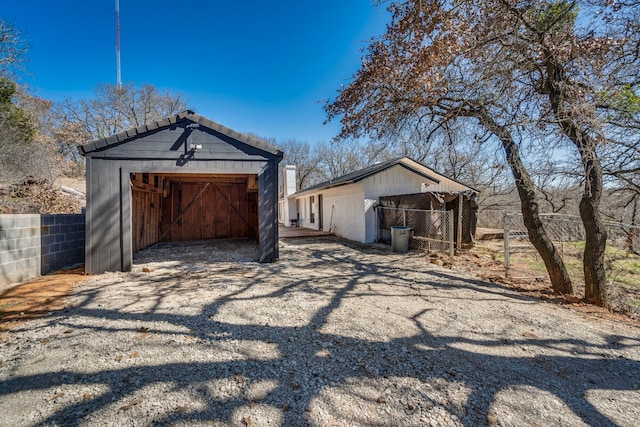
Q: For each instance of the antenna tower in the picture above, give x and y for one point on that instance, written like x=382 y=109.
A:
x=119 y=76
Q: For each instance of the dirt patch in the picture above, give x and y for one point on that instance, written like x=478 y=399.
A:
x=484 y=261
x=37 y=297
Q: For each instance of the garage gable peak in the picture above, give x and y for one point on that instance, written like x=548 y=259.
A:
x=190 y=121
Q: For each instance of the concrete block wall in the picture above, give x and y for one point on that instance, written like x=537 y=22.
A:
x=62 y=241
x=32 y=245
x=19 y=247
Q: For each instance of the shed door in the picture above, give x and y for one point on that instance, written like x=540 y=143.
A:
x=210 y=210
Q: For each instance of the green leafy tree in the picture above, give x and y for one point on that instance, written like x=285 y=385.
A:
x=14 y=117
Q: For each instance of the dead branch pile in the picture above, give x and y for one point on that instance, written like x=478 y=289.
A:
x=37 y=197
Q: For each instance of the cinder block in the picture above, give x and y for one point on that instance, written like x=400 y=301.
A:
x=8 y=244
x=7 y=267
x=7 y=221
x=78 y=236
x=25 y=220
x=13 y=233
x=48 y=219
x=32 y=231
x=22 y=264
x=13 y=277
x=34 y=242
x=32 y=272
x=33 y=263
x=48 y=259
x=6 y=257
x=31 y=252
x=17 y=253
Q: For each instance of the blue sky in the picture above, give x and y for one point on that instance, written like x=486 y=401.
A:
x=255 y=66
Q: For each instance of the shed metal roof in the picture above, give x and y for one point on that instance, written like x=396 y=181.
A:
x=132 y=133
x=405 y=162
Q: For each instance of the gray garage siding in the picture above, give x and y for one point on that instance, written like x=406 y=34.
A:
x=165 y=150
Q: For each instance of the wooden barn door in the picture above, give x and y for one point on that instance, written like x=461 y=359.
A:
x=216 y=209
x=146 y=209
x=145 y=219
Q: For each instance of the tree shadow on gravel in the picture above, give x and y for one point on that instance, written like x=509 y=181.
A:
x=323 y=371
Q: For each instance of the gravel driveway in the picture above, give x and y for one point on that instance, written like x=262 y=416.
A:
x=331 y=335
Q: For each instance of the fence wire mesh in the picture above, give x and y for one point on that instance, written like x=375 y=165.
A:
x=622 y=255
x=490 y=218
x=430 y=230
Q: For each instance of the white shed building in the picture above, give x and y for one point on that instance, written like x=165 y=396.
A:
x=345 y=205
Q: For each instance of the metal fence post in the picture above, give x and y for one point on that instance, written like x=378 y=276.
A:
x=450 y=231
x=505 y=224
x=460 y=206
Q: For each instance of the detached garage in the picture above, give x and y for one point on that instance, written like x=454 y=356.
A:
x=181 y=178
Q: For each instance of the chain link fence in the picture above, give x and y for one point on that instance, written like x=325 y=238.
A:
x=561 y=229
x=622 y=255
x=490 y=218
x=430 y=230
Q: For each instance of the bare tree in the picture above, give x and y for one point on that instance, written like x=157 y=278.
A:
x=112 y=110
x=337 y=159
x=13 y=48
x=305 y=158
x=568 y=69
x=429 y=67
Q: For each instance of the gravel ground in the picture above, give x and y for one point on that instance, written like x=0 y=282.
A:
x=331 y=335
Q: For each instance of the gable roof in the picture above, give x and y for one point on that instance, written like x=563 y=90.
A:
x=103 y=143
x=405 y=162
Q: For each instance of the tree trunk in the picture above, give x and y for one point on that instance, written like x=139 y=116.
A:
x=594 y=227
x=560 y=280
x=595 y=280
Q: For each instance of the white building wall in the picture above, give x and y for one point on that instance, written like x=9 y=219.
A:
x=445 y=185
x=390 y=182
x=348 y=210
x=393 y=181
x=343 y=211
x=303 y=203
x=287 y=208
